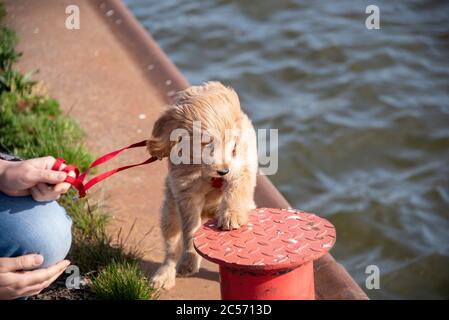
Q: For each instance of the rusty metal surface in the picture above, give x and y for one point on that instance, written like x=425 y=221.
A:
x=273 y=239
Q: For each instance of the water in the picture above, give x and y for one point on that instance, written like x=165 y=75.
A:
x=363 y=117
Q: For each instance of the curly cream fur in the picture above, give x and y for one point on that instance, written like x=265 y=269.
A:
x=189 y=196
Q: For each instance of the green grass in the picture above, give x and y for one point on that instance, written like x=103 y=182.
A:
x=8 y=53
x=33 y=125
x=122 y=279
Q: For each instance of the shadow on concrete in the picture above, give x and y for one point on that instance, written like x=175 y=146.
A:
x=151 y=266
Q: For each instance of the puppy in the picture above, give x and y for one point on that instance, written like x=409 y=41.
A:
x=219 y=186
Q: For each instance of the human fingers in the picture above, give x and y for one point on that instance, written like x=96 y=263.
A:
x=39 y=193
x=31 y=278
x=34 y=176
x=25 y=262
x=64 y=186
x=48 y=192
x=37 y=288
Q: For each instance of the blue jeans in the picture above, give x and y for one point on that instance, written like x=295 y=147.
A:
x=27 y=226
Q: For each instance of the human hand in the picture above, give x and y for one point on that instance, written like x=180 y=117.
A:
x=35 y=177
x=17 y=282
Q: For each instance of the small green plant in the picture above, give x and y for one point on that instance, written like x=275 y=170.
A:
x=8 y=41
x=94 y=248
x=34 y=127
x=13 y=81
x=122 y=280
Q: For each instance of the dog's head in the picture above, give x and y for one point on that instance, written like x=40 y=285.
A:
x=208 y=121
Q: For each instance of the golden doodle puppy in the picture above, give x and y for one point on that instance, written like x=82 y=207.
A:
x=211 y=145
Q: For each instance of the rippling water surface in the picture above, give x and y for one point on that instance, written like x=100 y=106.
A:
x=363 y=117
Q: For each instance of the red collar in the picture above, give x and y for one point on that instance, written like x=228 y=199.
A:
x=216 y=183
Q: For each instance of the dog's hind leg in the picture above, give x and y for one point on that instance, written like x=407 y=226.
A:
x=171 y=231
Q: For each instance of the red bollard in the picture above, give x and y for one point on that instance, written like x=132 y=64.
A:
x=270 y=258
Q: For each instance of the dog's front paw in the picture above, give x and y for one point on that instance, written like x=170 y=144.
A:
x=232 y=220
x=189 y=264
x=164 y=278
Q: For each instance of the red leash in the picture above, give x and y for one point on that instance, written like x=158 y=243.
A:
x=78 y=181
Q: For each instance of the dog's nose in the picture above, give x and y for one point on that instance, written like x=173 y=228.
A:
x=222 y=172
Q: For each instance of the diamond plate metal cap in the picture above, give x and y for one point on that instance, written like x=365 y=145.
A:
x=273 y=239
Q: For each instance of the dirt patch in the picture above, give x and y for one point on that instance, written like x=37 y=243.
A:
x=59 y=291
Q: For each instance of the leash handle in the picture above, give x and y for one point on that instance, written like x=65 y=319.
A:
x=78 y=181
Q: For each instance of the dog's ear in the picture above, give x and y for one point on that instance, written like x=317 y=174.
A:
x=159 y=145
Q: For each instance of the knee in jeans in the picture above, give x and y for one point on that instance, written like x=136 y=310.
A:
x=49 y=233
